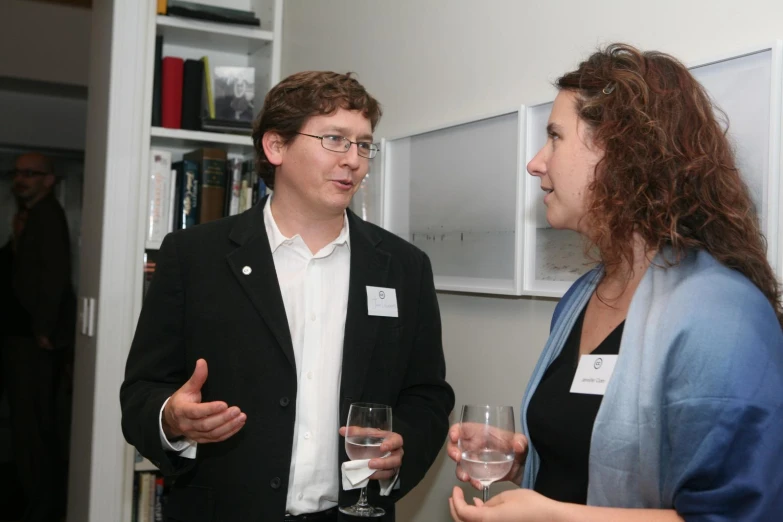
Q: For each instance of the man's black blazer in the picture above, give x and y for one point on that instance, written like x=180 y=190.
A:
x=200 y=304
x=42 y=273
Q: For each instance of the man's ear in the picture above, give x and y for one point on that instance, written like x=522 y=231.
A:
x=274 y=147
x=49 y=180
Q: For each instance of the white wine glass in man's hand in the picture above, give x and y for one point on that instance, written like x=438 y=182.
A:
x=486 y=443
x=367 y=427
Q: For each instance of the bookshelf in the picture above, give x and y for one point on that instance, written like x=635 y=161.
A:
x=224 y=45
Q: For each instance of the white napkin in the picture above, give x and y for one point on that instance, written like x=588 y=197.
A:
x=356 y=474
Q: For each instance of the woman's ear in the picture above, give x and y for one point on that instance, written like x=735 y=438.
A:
x=273 y=147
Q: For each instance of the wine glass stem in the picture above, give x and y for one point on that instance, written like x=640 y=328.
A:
x=363 y=498
x=486 y=493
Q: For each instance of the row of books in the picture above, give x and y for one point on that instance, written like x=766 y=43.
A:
x=188 y=94
x=205 y=185
x=149 y=497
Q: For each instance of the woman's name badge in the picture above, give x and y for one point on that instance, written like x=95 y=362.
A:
x=593 y=374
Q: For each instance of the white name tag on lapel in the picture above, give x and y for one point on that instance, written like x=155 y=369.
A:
x=593 y=374
x=381 y=301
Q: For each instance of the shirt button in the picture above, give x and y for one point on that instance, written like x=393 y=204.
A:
x=275 y=483
x=300 y=496
x=307 y=435
x=284 y=401
x=309 y=375
x=312 y=317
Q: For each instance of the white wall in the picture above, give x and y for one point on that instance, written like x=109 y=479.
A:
x=434 y=62
x=43 y=41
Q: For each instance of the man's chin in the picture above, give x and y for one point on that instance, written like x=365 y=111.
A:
x=340 y=201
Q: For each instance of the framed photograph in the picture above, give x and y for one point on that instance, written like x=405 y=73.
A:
x=456 y=192
x=234 y=93
x=748 y=88
x=553 y=259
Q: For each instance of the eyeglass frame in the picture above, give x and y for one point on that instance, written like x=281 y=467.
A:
x=373 y=151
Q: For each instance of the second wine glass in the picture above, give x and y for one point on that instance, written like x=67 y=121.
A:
x=486 y=443
x=367 y=427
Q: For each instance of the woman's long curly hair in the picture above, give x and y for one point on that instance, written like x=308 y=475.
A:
x=668 y=171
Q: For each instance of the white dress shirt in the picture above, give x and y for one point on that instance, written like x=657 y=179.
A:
x=315 y=296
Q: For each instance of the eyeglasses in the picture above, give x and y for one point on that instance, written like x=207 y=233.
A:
x=25 y=173
x=342 y=144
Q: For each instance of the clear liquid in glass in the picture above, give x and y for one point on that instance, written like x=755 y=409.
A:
x=363 y=447
x=487 y=466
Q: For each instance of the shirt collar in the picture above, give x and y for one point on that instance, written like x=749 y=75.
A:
x=276 y=238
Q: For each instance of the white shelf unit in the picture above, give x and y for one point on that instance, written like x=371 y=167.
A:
x=237 y=39
x=163 y=137
x=224 y=44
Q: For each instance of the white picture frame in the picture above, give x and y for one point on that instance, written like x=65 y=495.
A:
x=457 y=192
x=752 y=99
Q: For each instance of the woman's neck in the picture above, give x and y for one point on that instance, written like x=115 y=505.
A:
x=620 y=282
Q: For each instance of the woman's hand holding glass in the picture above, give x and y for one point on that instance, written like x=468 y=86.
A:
x=516 y=505
x=466 y=435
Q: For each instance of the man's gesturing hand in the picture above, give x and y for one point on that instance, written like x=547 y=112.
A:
x=186 y=416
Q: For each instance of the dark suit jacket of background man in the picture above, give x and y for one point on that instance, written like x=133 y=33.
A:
x=201 y=305
x=41 y=277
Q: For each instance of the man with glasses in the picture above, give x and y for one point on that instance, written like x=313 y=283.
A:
x=40 y=322
x=259 y=330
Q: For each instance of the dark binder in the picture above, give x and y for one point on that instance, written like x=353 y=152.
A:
x=192 y=86
x=156 y=82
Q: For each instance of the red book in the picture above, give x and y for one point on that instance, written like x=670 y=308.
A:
x=171 y=99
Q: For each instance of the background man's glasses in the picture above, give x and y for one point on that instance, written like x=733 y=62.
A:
x=25 y=173
x=342 y=144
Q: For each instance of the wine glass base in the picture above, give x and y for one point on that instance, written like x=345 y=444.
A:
x=362 y=511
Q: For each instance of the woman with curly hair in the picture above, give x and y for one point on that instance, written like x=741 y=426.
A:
x=690 y=425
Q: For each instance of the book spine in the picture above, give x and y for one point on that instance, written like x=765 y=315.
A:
x=157 y=79
x=213 y=189
x=135 y=503
x=188 y=195
x=171 y=99
x=159 y=195
x=152 y=495
x=144 y=497
x=172 y=200
x=254 y=177
x=209 y=100
x=236 y=184
x=158 y=499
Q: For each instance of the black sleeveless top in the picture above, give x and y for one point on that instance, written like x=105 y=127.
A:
x=561 y=423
